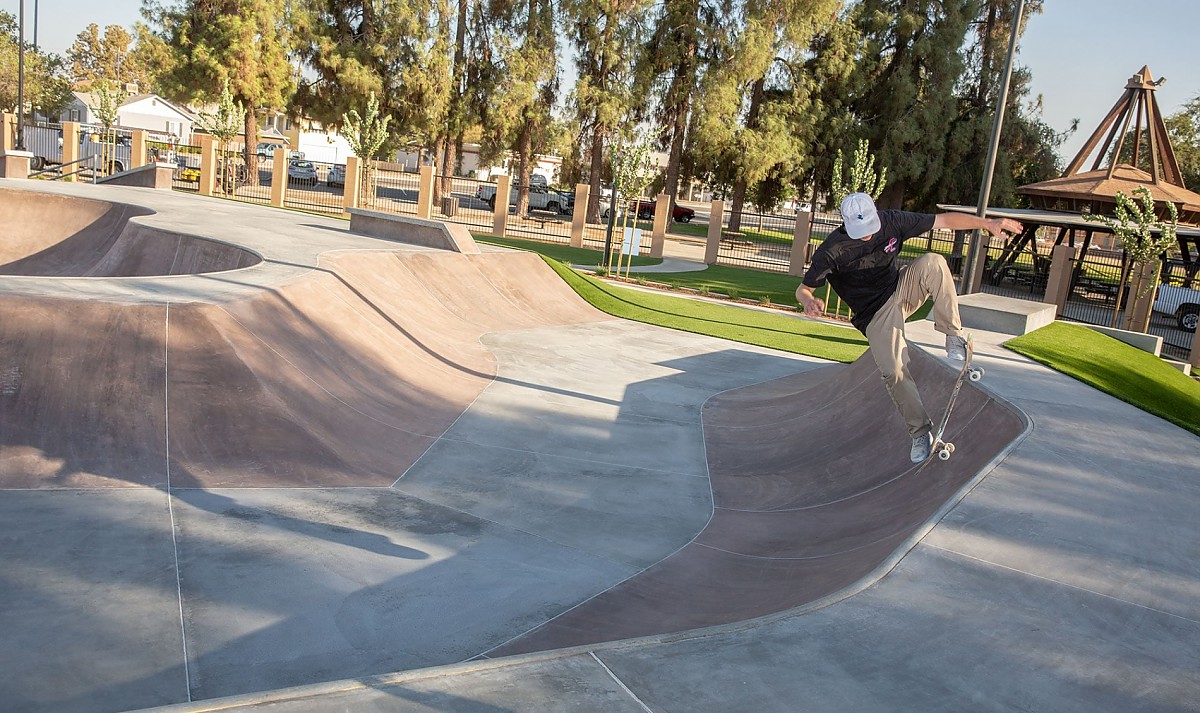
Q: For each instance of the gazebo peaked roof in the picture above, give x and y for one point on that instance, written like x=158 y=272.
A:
x=1154 y=168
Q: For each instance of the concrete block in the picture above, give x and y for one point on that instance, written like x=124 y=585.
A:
x=1183 y=366
x=151 y=175
x=1006 y=315
x=414 y=231
x=1146 y=342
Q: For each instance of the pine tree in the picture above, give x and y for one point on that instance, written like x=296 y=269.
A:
x=242 y=42
x=757 y=98
x=525 y=85
x=109 y=56
x=605 y=35
x=903 y=90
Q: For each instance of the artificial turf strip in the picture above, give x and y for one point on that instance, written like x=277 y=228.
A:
x=557 y=251
x=1117 y=369
x=776 y=331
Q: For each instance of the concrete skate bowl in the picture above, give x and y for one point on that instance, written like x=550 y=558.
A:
x=341 y=377
x=814 y=494
x=65 y=236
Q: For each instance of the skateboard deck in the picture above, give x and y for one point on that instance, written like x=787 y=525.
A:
x=942 y=448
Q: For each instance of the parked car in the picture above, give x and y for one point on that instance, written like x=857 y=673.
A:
x=1182 y=303
x=336 y=177
x=646 y=210
x=568 y=199
x=266 y=149
x=300 y=171
x=540 y=197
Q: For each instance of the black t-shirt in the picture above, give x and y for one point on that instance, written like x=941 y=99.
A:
x=864 y=272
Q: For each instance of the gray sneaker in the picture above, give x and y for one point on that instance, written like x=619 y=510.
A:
x=921 y=447
x=956 y=347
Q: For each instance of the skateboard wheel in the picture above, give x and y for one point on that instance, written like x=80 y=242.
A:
x=950 y=447
x=975 y=374
x=944 y=454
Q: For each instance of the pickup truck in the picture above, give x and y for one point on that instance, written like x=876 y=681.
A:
x=45 y=143
x=540 y=198
x=1182 y=303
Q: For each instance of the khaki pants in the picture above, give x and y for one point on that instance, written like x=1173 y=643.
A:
x=928 y=276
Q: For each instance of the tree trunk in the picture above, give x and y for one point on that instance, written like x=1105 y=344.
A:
x=738 y=199
x=597 y=166
x=439 y=147
x=524 y=166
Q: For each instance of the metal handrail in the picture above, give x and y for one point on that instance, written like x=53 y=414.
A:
x=58 y=175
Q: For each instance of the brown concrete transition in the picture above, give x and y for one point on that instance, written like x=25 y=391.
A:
x=813 y=491
x=61 y=236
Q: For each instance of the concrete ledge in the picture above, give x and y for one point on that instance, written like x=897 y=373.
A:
x=1146 y=342
x=15 y=164
x=1005 y=315
x=1183 y=366
x=152 y=175
x=413 y=231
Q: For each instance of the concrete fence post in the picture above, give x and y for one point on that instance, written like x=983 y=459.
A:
x=137 y=149
x=579 y=217
x=208 y=165
x=715 y=220
x=70 y=147
x=425 y=193
x=353 y=187
x=500 y=214
x=662 y=214
x=801 y=236
x=8 y=140
x=1058 y=285
x=279 y=177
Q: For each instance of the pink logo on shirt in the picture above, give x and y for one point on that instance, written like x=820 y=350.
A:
x=891 y=246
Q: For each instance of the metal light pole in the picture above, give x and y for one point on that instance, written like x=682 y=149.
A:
x=978 y=251
x=21 y=82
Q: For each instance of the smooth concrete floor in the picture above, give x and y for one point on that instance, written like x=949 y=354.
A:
x=1066 y=580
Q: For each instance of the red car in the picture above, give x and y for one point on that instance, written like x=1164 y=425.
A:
x=645 y=211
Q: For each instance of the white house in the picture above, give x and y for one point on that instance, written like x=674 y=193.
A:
x=140 y=111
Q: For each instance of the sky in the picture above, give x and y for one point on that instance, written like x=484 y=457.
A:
x=1080 y=52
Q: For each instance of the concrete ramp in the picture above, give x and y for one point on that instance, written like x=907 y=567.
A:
x=342 y=377
x=66 y=236
x=813 y=491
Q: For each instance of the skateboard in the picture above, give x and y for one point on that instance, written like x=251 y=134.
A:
x=943 y=448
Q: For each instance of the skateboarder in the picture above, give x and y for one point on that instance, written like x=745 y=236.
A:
x=859 y=262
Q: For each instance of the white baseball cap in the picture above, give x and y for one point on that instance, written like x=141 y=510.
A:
x=860 y=216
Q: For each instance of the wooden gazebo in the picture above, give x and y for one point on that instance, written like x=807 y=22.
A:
x=1152 y=165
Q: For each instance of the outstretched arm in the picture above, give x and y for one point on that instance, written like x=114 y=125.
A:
x=966 y=221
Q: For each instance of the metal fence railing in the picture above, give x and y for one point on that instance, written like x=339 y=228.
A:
x=465 y=203
x=759 y=241
x=309 y=187
x=390 y=188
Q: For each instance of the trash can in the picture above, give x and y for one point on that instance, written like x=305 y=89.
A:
x=449 y=206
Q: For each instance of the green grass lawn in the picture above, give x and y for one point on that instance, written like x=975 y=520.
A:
x=766 y=329
x=560 y=252
x=1128 y=373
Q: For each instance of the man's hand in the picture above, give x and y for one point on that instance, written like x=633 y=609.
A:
x=813 y=305
x=1004 y=225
